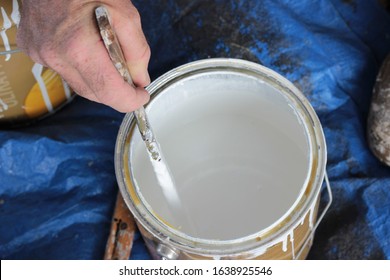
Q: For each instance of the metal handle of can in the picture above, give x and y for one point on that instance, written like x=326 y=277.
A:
x=319 y=219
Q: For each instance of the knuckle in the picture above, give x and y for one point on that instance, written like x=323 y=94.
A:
x=46 y=52
x=121 y=101
x=80 y=88
x=103 y=95
x=135 y=16
x=47 y=55
x=145 y=53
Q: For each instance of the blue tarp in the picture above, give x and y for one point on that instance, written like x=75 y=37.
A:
x=57 y=181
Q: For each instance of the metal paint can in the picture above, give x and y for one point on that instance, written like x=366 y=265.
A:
x=28 y=90
x=248 y=155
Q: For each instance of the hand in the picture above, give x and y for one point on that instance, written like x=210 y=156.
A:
x=63 y=35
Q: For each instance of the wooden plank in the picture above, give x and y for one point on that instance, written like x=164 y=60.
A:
x=120 y=240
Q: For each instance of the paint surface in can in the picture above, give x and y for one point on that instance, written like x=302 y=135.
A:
x=238 y=152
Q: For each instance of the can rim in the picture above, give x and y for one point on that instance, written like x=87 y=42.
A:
x=266 y=236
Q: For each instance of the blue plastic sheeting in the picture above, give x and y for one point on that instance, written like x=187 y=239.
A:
x=58 y=187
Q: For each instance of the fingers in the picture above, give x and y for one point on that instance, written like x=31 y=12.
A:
x=69 y=43
x=100 y=81
x=127 y=25
x=104 y=82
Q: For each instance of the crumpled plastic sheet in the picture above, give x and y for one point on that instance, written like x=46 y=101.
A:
x=57 y=181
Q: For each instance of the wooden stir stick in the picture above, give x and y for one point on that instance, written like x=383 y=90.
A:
x=120 y=240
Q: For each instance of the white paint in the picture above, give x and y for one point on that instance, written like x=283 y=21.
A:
x=292 y=244
x=237 y=151
x=311 y=216
x=3 y=105
x=161 y=171
x=166 y=182
x=66 y=89
x=283 y=238
x=37 y=72
x=15 y=15
x=7 y=24
x=284 y=244
x=285 y=241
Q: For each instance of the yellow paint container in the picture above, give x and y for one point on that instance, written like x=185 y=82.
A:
x=28 y=91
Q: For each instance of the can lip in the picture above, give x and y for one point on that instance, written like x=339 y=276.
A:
x=180 y=240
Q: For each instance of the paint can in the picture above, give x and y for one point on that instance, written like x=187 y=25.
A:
x=28 y=90
x=248 y=155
